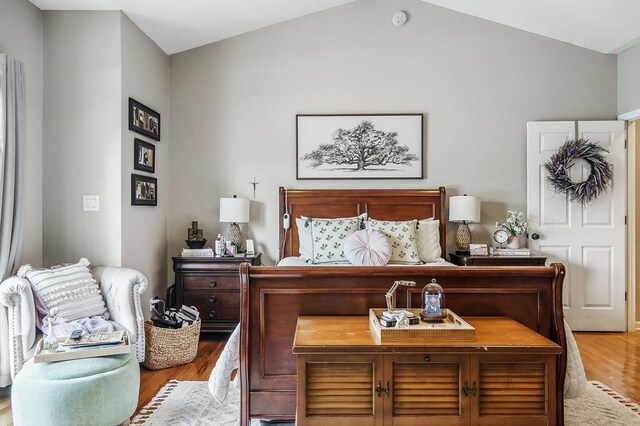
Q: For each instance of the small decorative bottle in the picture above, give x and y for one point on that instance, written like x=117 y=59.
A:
x=219 y=247
x=51 y=341
x=433 y=306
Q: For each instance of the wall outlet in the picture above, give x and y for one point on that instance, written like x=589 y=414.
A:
x=153 y=302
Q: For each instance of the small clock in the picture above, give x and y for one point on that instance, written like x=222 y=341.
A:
x=500 y=236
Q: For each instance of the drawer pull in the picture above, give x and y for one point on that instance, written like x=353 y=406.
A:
x=213 y=283
x=386 y=389
x=212 y=299
x=427 y=358
x=212 y=314
x=379 y=389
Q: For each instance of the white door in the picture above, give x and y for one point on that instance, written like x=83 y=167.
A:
x=590 y=240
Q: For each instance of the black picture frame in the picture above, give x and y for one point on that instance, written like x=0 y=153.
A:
x=144 y=120
x=144 y=156
x=316 y=133
x=144 y=190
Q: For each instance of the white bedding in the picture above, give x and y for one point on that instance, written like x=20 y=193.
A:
x=300 y=261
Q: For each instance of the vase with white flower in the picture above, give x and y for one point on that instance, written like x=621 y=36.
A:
x=515 y=226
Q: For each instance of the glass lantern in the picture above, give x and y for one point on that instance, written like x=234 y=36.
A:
x=433 y=305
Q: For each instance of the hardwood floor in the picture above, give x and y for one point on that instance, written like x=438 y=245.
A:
x=613 y=359
x=610 y=358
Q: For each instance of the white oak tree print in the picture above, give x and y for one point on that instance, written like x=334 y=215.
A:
x=360 y=147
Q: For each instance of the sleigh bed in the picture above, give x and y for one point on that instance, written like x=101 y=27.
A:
x=274 y=297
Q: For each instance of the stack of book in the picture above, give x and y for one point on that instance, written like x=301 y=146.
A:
x=88 y=341
x=478 y=249
x=204 y=252
x=511 y=252
x=87 y=346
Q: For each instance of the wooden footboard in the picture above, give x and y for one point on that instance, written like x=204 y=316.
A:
x=273 y=298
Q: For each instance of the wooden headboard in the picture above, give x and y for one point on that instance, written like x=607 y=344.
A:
x=385 y=204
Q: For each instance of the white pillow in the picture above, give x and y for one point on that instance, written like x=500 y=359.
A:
x=71 y=290
x=401 y=236
x=328 y=237
x=367 y=248
x=428 y=237
x=305 y=243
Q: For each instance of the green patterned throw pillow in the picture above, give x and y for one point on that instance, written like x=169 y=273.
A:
x=402 y=237
x=328 y=238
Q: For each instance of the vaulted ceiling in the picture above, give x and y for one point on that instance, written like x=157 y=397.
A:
x=607 y=26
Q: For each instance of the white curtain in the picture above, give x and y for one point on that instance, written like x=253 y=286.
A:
x=12 y=134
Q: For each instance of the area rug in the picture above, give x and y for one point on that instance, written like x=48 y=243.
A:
x=191 y=404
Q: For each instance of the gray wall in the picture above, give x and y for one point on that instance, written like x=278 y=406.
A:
x=629 y=80
x=21 y=37
x=233 y=105
x=145 y=77
x=82 y=127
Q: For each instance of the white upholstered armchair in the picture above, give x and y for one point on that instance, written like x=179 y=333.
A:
x=121 y=288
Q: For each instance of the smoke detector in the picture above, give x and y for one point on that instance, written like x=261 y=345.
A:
x=399 y=18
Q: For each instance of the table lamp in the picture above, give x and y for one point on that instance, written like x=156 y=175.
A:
x=234 y=211
x=464 y=209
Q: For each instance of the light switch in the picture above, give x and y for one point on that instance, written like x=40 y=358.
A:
x=90 y=203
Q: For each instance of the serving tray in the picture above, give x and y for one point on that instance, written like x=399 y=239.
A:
x=65 y=353
x=451 y=329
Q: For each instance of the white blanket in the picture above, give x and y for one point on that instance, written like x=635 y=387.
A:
x=575 y=381
x=229 y=360
x=300 y=261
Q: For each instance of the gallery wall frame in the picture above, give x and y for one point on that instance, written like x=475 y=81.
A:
x=360 y=146
x=144 y=156
x=144 y=190
x=144 y=120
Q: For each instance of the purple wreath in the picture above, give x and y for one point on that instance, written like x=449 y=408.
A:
x=598 y=181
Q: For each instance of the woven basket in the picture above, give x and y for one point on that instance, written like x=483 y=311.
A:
x=168 y=347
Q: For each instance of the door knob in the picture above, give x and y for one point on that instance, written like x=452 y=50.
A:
x=535 y=236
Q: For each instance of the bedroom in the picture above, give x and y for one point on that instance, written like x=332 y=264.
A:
x=228 y=113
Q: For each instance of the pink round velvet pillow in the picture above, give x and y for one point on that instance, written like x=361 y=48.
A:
x=367 y=248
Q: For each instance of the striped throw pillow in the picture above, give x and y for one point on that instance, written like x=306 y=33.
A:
x=69 y=291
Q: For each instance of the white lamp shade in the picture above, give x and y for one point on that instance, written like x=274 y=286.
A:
x=464 y=208
x=234 y=210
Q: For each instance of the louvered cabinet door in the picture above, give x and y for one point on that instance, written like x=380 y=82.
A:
x=513 y=390
x=426 y=389
x=339 y=390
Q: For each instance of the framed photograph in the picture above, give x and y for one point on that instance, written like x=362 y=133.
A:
x=144 y=190
x=144 y=120
x=144 y=156
x=432 y=304
x=359 y=146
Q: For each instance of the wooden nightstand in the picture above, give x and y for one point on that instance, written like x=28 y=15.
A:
x=212 y=285
x=468 y=260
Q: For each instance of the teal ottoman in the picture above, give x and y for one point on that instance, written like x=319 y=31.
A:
x=89 y=391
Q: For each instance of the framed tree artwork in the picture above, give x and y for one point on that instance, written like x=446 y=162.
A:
x=144 y=190
x=144 y=120
x=359 y=146
x=144 y=156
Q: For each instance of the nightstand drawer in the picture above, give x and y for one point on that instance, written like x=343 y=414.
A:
x=209 y=282
x=211 y=299
x=218 y=312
